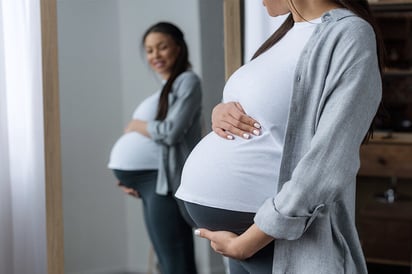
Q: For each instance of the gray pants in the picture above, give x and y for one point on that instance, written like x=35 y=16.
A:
x=170 y=234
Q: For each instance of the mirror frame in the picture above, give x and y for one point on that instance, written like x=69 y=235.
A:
x=52 y=149
x=52 y=146
x=232 y=35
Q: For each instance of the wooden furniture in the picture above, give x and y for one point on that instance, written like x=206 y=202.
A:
x=386 y=227
x=387 y=155
x=395 y=23
x=384 y=217
x=386 y=233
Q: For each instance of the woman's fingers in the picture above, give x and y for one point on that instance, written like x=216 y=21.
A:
x=128 y=191
x=230 y=119
x=221 y=242
x=222 y=133
x=134 y=193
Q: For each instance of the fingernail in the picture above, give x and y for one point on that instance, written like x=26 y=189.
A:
x=230 y=137
x=256 y=132
x=256 y=125
x=197 y=232
x=246 y=135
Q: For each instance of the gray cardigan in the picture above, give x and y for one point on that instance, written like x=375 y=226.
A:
x=179 y=132
x=337 y=90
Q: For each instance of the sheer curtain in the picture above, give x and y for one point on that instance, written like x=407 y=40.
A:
x=22 y=178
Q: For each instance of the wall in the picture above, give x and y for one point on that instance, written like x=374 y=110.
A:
x=103 y=76
x=91 y=106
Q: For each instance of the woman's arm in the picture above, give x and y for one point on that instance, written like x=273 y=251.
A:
x=229 y=119
x=326 y=168
x=182 y=112
x=238 y=247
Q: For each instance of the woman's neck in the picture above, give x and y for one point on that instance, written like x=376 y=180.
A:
x=306 y=10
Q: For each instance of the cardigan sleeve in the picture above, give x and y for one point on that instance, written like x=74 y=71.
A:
x=331 y=162
x=181 y=113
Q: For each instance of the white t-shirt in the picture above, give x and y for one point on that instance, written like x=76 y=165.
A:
x=241 y=174
x=134 y=151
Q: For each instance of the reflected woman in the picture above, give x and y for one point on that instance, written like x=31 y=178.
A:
x=148 y=159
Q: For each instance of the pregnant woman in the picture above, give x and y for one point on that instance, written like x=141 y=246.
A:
x=281 y=198
x=148 y=159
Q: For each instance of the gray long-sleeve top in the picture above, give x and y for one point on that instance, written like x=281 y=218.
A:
x=337 y=90
x=179 y=132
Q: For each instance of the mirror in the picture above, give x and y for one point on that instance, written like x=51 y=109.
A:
x=102 y=77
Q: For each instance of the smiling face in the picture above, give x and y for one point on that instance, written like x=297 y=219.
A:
x=161 y=53
x=276 y=7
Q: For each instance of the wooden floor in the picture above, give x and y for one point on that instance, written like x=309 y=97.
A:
x=386 y=269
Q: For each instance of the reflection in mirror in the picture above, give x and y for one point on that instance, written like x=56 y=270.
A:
x=103 y=76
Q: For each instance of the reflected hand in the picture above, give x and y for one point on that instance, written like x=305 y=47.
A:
x=128 y=191
x=224 y=243
x=229 y=119
x=133 y=125
x=139 y=126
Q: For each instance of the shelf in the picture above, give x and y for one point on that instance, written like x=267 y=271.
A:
x=391 y=138
x=398 y=15
x=391 y=6
x=397 y=72
x=389 y=2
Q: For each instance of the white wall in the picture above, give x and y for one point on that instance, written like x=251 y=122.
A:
x=95 y=225
x=102 y=78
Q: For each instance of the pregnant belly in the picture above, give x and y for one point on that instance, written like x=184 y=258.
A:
x=234 y=175
x=219 y=219
x=134 y=152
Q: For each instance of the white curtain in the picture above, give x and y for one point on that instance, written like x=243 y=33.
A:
x=258 y=26
x=22 y=195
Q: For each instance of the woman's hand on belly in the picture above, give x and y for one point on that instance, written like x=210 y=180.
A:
x=127 y=190
x=238 y=247
x=230 y=119
x=139 y=126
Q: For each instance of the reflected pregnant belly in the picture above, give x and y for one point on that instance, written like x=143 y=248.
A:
x=237 y=175
x=133 y=151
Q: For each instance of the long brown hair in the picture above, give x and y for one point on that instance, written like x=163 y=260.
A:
x=181 y=65
x=359 y=7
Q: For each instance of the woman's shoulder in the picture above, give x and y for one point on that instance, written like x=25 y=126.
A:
x=346 y=32
x=187 y=81
x=346 y=22
x=188 y=75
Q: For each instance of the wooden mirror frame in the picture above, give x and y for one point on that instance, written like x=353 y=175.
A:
x=52 y=152
x=52 y=149
x=232 y=35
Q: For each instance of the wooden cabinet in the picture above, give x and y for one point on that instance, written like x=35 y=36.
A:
x=386 y=233
x=385 y=224
x=385 y=228
x=387 y=155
